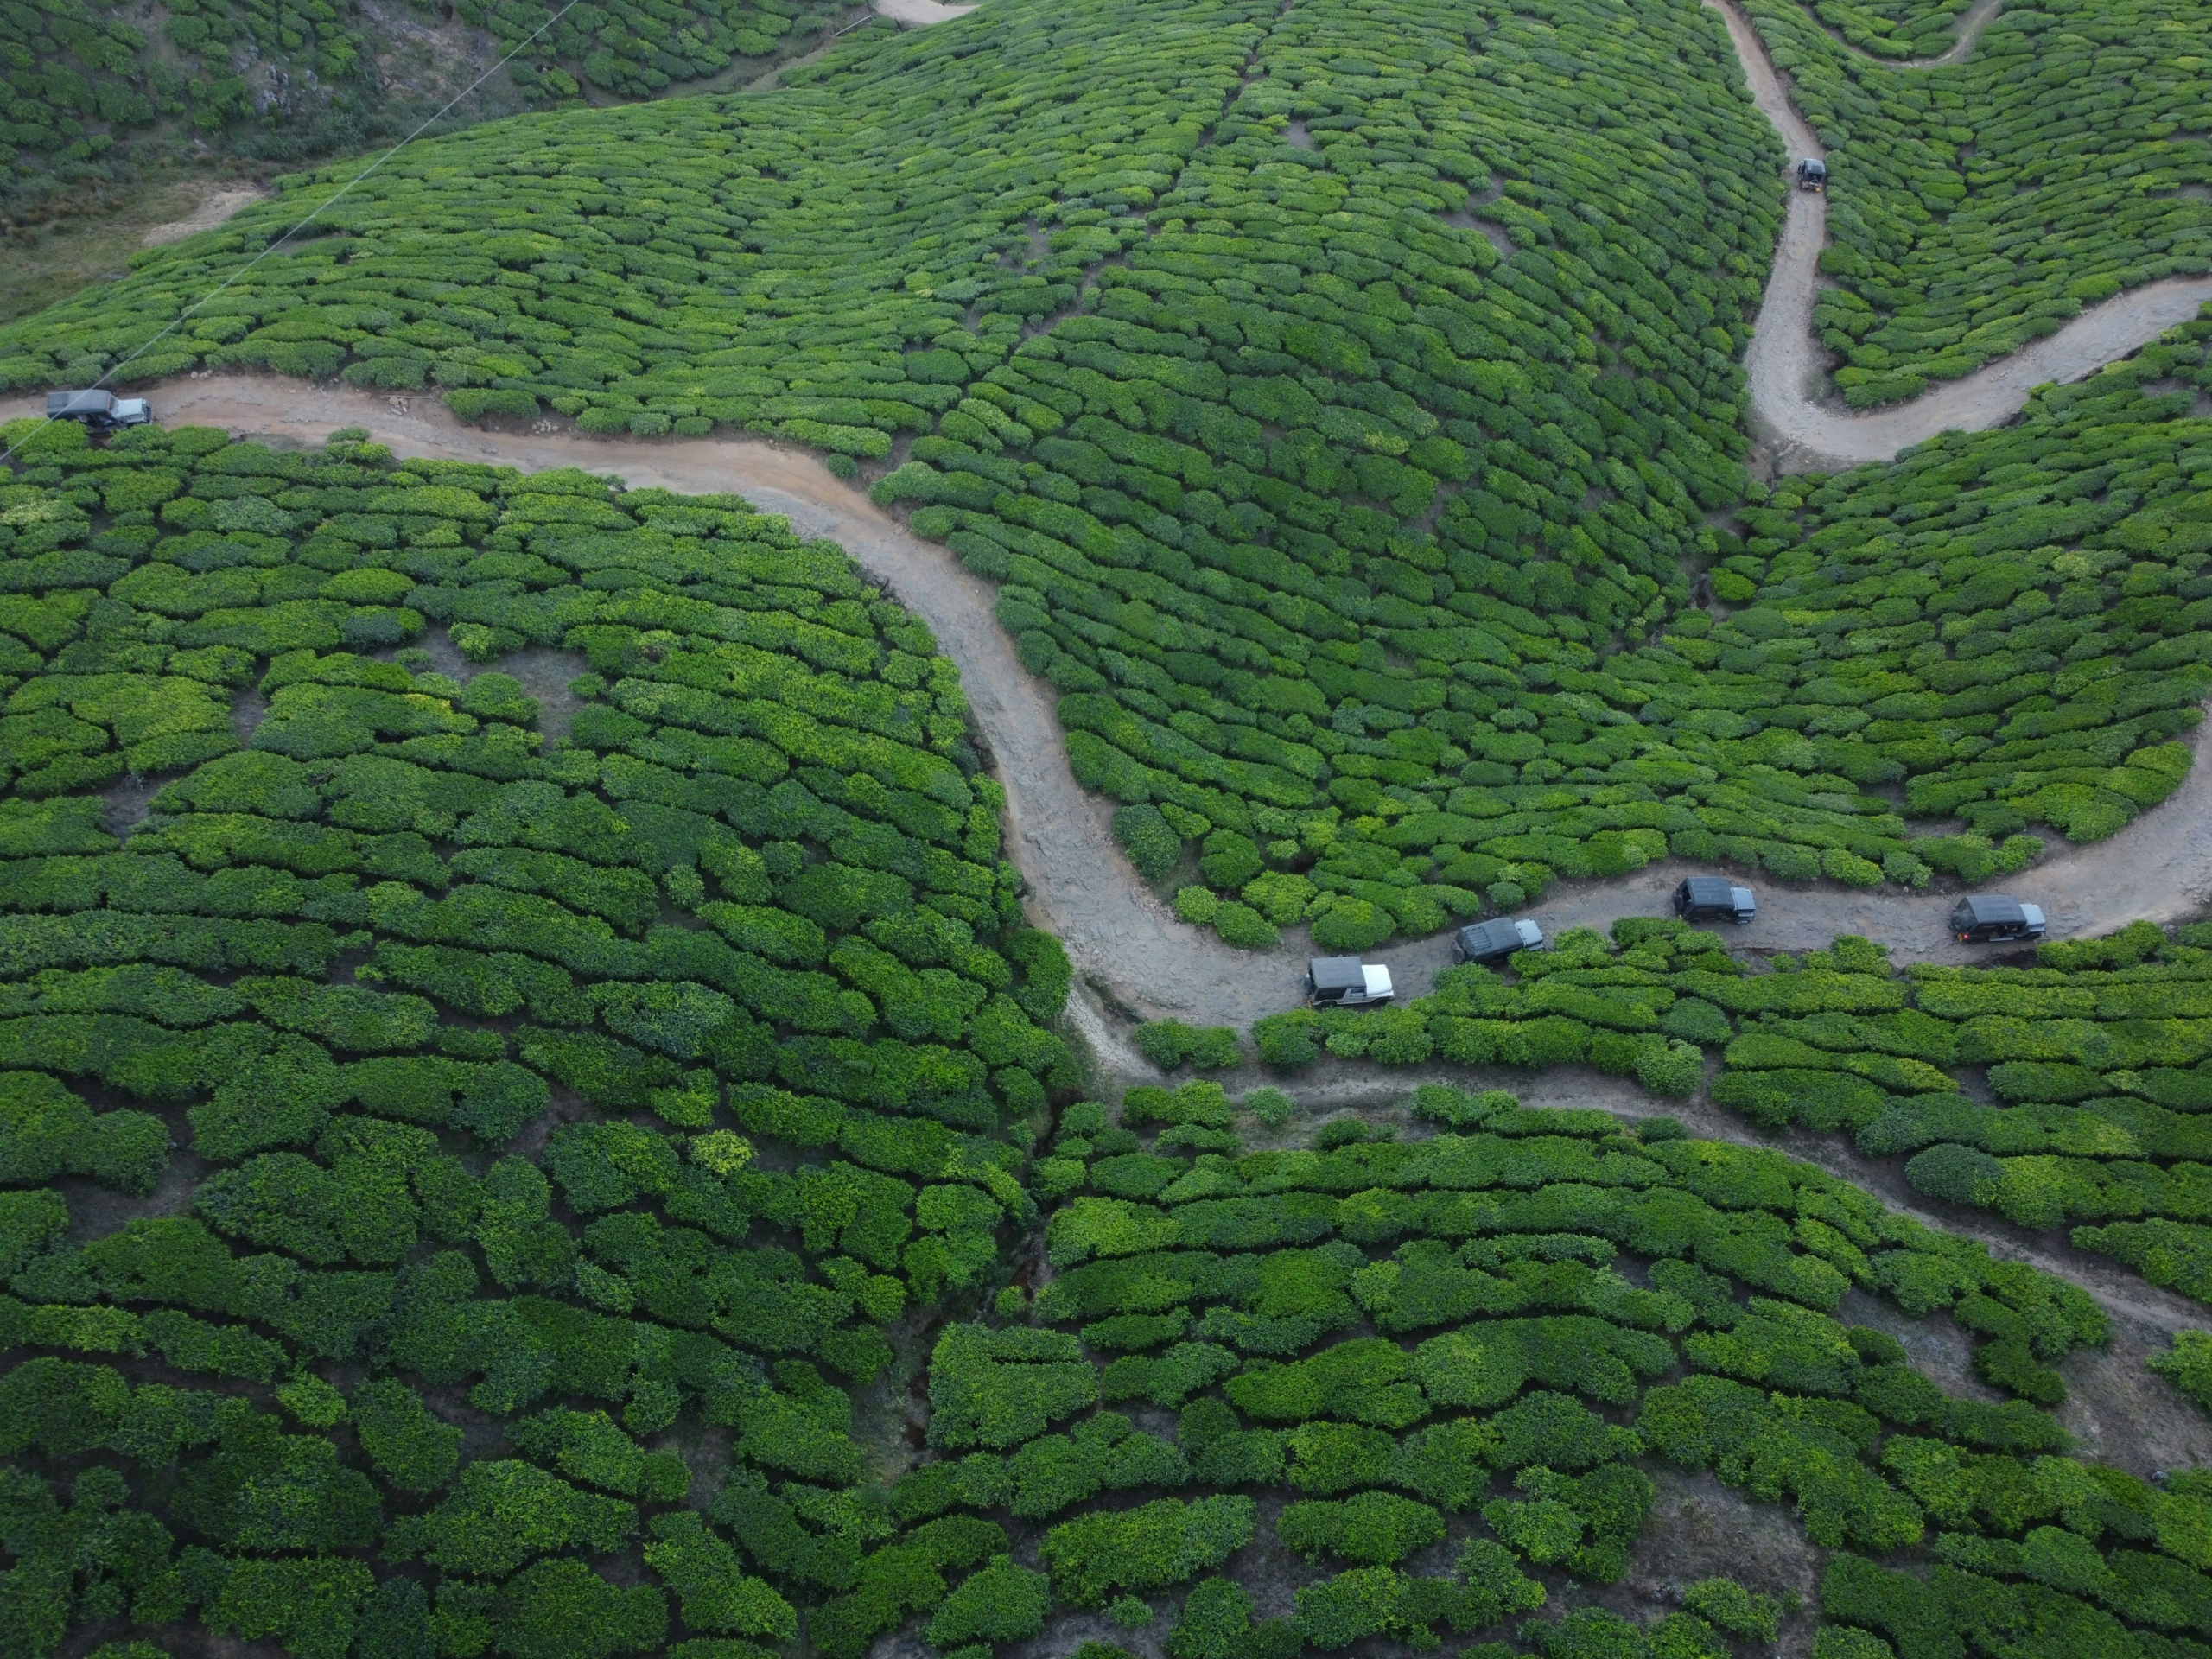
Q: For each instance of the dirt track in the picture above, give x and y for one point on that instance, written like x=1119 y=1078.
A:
x=1120 y=934
x=1802 y=428
x=920 y=12
x=216 y=209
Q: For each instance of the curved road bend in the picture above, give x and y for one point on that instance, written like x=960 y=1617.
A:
x=1788 y=365
x=1082 y=887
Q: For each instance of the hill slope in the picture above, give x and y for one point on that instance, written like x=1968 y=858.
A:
x=1347 y=540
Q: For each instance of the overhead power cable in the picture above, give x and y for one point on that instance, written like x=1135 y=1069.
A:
x=321 y=208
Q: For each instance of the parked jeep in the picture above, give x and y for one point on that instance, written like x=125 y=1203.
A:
x=1495 y=941
x=99 y=411
x=1710 y=899
x=1984 y=919
x=1346 y=982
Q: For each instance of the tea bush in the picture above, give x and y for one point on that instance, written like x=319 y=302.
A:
x=756 y=888
x=2188 y=1366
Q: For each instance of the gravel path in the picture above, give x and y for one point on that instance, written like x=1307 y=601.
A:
x=217 y=209
x=921 y=13
x=1803 y=428
x=1121 y=936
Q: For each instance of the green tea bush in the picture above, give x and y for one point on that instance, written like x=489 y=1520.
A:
x=1158 y=1544
x=1169 y=1043
x=1153 y=845
x=1377 y=1528
x=2188 y=1366
x=1002 y=1603
x=404 y=1443
x=1727 y=1604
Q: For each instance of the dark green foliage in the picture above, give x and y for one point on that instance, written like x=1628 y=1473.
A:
x=2188 y=1366
x=502 y=1513
x=588 y=1447
x=45 y=1131
x=560 y=1609
x=1151 y=844
x=409 y=1448
x=307 y=1604
x=1101 y=1453
x=1740 y=1612
x=1367 y=1381
x=1372 y=1527
x=1959 y=1174
x=1775 y=1445
x=264 y=1490
x=998 y=1389
x=1149 y=1547
x=714 y=1593
x=1002 y=1603
x=1170 y=1043
x=1368 y=1601
x=396 y=1622
x=908 y=1575
x=1216 y=1624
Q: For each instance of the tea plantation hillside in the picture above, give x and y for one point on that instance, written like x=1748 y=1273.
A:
x=1976 y=206
x=467 y=1193
x=616 y=1095
x=1366 y=562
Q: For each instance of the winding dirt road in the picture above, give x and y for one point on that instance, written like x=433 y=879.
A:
x=1121 y=936
x=1804 y=431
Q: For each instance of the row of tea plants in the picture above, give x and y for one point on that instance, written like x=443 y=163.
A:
x=1431 y=1380
x=2099 y=1059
